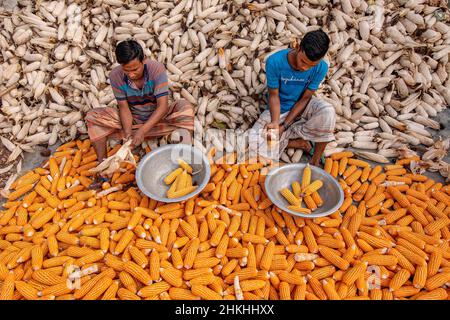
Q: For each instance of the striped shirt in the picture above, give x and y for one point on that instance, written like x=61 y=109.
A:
x=142 y=102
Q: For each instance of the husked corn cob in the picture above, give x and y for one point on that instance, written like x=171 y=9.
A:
x=205 y=293
x=312 y=187
x=290 y=197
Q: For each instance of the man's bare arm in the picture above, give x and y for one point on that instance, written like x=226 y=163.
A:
x=299 y=107
x=125 y=118
x=162 y=106
x=274 y=105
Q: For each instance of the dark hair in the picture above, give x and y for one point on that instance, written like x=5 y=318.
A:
x=315 y=44
x=129 y=50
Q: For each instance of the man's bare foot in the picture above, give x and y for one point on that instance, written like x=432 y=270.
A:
x=300 y=144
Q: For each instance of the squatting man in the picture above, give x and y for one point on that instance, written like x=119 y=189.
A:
x=295 y=116
x=140 y=86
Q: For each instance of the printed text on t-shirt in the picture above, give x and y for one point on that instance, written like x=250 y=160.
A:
x=291 y=79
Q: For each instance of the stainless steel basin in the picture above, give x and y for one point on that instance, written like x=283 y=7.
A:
x=281 y=177
x=158 y=163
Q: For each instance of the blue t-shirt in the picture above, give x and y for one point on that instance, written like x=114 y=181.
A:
x=292 y=83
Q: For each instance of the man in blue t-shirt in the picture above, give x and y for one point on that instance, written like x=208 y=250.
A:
x=299 y=118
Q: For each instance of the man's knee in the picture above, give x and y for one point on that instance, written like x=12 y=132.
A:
x=183 y=104
x=90 y=115
x=94 y=113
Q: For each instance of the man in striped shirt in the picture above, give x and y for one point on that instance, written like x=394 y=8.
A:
x=141 y=89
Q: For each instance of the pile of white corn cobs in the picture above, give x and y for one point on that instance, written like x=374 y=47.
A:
x=388 y=77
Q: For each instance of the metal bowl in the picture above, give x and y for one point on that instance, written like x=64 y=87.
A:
x=282 y=177
x=158 y=163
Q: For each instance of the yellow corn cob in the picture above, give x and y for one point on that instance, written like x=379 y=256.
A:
x=251 y=285
x=206 y=262
x=306 y=177
x=317 y=199
x=436 y=225
x=310 y=203
x=205 y=279
x=248 y=196
x=191 y=253
x=342 y=165
x=434 y=263
x=324 y=272
x=328 y=165
x=217 y=235
x=153 y=289
x=299 y=209
x=317 y=287
x=90 y=258
x=125 y=294
x=56 y=290
x=332 y=256
x=172 y=176
x=330 y=290
x=413 y=257
x=172 y=276
x=111 y=292
x=365 y=174
x=405 y=291
x=420 y=277
x=100 y=287
x=358 y=163
x=437 y=281
x=138 y=256
x=47 y=277
x=247 y=237
x=352 y=274
x=26 y=290
x=182 y=294
x=123 y=242
x=436 y=294
x=205 y=293
x=380 y=260
x=335 y=169
x=290 y=197
x=137 y=272
x=314 y=186
x=291 y=278
x=296 y=189
x=238 y=252
x=340 y=155
x=266 y=259
x=183 y=164
x=154 y=262
x=378 y=198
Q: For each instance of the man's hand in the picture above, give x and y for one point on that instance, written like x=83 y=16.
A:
x=272 y=125
x=138 y=138
x=275 y=128
x=127 y=135
x=126 y=119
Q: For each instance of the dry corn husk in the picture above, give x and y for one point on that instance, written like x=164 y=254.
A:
x=112 y=164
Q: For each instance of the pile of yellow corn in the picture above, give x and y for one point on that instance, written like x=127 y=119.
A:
x=60 y=240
